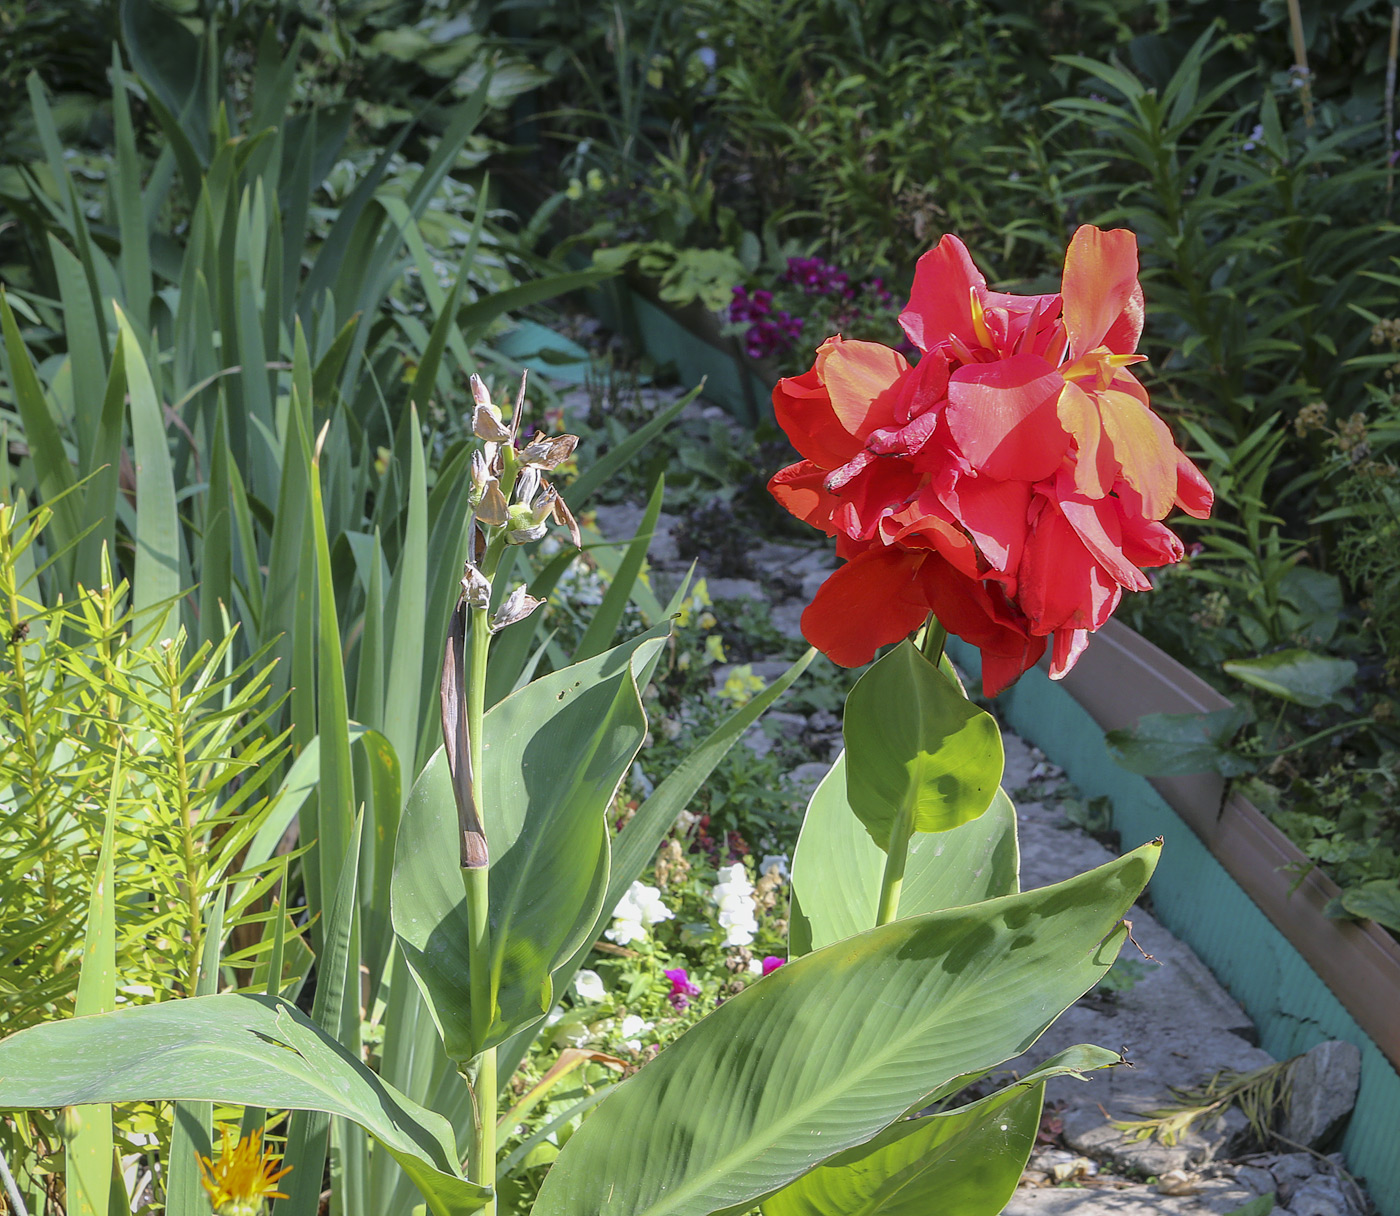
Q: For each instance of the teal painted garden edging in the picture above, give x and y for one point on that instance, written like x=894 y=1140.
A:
x=689 y=340
x=1197 y=899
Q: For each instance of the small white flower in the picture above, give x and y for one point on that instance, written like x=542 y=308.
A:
x=632 y=1026
x=755 y=967
x=589 y=985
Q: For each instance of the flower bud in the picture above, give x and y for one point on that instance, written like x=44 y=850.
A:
x=522 y=527
x=476 y=588
x=68 y=1123
x=528 y=485
x=517 y=606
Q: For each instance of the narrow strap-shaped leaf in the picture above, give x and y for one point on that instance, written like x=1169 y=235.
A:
x=89 y=1154
x=308 y=1133
x=131 y=212
x=194 y=1121
x=157 y=578
x=587 y=483
x=55 y=474
x=406 y=613
x=425 y=377
x=608 y=615
x=80 y=326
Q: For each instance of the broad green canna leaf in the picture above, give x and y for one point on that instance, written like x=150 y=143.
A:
x=233 y=1048
x=555 y=753
x=836 y=867
x=826 y=1052
x=964 y=1162
x=917 y=749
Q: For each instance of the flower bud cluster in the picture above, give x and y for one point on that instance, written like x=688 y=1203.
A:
x=502 y=471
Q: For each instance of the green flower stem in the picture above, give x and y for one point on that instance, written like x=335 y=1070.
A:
x=897 y=851
x=476 y=883
x=896 y=854
x=935 y=637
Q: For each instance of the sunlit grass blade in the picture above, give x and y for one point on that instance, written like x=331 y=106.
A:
x=608 y=615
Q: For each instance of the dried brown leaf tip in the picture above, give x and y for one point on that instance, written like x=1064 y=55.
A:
x=453 y=704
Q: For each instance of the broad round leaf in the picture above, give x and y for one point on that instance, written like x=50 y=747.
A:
x=837 y=867
x=250 y=1050
x=1299 y=676
x=555 y=753
x=1167 y=745
x=964 y=1162
x=915 y=744
x=826 y=1052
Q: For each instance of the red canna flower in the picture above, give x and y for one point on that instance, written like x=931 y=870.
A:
x=1012 y=483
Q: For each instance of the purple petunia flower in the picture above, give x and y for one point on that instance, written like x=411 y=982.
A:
x=771 y=963
x=682 y=989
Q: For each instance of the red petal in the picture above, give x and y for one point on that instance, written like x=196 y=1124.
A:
x=1101 y=290
x=1146 y=542
x=1098 y=524
x=1061 y=585
x=872 y=600
x=939 y=304
x=879 y=490
x=803 y=409
x=1069 y=645
x=1193 y=492
x=995 y=513
x=1002 y=415
x=978 y=612
x=800 y=488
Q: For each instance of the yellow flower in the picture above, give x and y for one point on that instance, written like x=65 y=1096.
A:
x=741 y=685
x=707 y=620
x=714 y=648
x=242 y=1177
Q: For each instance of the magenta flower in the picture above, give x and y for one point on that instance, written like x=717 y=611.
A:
x=681 y=989
x=771 y=963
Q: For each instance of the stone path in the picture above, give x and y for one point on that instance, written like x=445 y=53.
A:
x=1172 y=1020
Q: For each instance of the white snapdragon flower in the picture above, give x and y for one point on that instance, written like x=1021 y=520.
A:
x=755 y=967
x=589 y=985
x=640 y=907
x=733 y=895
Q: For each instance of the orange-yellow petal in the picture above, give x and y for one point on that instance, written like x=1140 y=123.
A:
x=1143 y=448
x=1101 y=291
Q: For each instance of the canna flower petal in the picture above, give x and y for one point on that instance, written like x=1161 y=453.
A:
x=1193 y=492
x=1143 y=449
x=1003 y=417
x=940 y=302
x=873 y=600
x=801 y=489
x=1103 y=300
x=850 y=391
